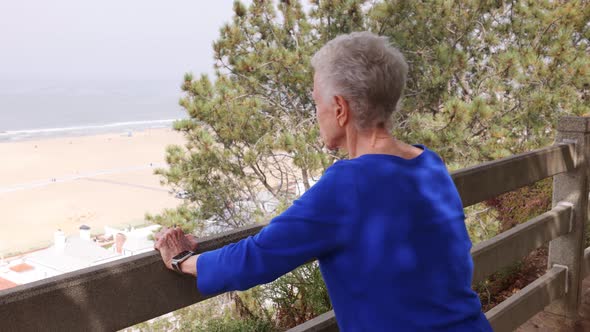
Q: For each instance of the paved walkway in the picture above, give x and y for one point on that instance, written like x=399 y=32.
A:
x=81 y=176
x=546 y=322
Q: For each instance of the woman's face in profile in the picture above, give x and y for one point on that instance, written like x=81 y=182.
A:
x=330 y=131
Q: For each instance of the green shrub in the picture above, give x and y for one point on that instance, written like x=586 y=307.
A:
x=229 y=324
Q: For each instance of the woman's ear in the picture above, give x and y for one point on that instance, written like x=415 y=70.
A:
x=342 y=110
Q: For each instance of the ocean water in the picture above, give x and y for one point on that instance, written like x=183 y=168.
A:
x=74 y=108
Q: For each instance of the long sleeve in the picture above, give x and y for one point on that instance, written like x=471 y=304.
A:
x=314 y=226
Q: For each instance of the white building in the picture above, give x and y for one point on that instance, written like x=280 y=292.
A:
x=73 y=253
x=131 y=241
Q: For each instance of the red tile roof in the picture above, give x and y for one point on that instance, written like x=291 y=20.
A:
x=21 y=267
x=5 y=284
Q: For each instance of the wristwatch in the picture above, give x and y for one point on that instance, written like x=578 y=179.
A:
x=178 y=259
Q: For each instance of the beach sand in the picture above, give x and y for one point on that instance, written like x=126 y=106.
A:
x=62 y=183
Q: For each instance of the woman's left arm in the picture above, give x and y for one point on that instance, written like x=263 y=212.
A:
x=278 y=248
x=317 y=224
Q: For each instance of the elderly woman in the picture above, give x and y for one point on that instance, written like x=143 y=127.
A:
x=386 y=225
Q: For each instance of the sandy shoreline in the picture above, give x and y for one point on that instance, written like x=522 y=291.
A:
x=63 y=183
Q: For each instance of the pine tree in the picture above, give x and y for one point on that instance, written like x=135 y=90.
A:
x=491 y=77
x=251 y=135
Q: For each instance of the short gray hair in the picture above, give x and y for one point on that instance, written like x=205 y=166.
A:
x=367 y=71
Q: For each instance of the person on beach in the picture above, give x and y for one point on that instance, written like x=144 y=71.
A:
x=386 y=225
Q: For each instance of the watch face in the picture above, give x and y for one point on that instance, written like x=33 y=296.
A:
x=182 y=255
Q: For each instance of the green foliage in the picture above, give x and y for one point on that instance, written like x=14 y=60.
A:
x=228 y=324
x=482 y=223
x=491 y=77
x=511 y=209
x=491 y=287
x=499 y=214
x=183 y=216
x=252 y=129
x=297 y=297
x=521 y=205
x=210 y=315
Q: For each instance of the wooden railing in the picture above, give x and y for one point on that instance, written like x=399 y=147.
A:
x=132 y=290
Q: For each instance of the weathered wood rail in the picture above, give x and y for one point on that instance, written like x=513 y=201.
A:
x=132 y=290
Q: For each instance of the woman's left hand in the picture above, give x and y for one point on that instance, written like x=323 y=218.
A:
x=171 y=242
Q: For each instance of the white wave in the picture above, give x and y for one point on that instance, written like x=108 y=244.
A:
x=86 y=128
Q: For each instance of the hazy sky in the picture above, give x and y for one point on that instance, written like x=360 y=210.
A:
x=108 y=39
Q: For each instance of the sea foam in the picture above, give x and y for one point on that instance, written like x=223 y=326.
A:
x=126 y=127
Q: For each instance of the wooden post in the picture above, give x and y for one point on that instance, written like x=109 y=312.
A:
x=572 y=187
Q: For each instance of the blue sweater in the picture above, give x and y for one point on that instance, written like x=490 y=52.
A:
x=390 y=238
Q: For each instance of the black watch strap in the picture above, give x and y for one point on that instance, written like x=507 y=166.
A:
x=178 y=259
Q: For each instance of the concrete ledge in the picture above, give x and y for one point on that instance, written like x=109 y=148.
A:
x=517 y=309
x=323 y=323
x=488 y=180
x=106 y=297
x=503 y=249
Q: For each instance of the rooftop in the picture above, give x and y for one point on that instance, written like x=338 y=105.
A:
x=4 y=284
x=77 y=254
